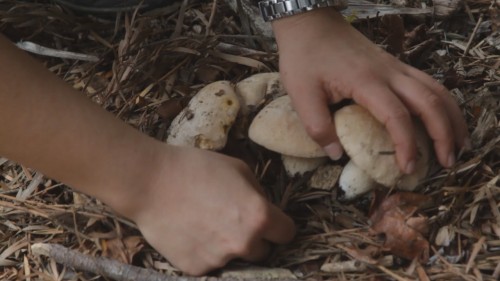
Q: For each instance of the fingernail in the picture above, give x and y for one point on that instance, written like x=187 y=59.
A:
x=334 y=150
x=410 y=167
x=451 y=160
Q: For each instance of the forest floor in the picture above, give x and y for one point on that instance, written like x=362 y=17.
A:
x=144 y=67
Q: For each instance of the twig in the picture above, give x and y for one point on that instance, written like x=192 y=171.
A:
x=392 y=274
x=113 y=269
x=475 y=250
x=211 y=19
x=24 y=194
x=467 y=48
x=44 y=51
x=180 y=20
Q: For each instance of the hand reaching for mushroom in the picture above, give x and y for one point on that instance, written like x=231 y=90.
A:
x=206 y=210
x=197 y=208
x=325 y=60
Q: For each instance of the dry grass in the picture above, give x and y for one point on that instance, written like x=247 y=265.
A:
x=151 y=63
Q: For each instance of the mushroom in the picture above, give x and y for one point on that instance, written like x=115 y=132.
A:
x=354 y=182
x=206 y=120
x=253 y=90
x=277 y=127
x=371 y=149
x=300 y=165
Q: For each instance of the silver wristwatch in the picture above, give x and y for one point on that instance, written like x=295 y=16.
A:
x=276 y=9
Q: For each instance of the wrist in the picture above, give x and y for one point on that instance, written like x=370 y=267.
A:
x=277 y=9
x=308 y=23
x=130 y=175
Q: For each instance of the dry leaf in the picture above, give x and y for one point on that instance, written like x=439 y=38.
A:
x=403 y=231
x=122 y=250
x=171 y=108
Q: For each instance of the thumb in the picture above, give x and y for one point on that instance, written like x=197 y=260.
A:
x=312 y=108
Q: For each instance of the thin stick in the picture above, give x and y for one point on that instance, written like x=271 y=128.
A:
x=44 y=51
x=113 y=269
x=392 y=274
x=211 y=19
x=467 y=48
x=475 y=250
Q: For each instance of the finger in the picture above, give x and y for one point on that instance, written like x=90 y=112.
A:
x=280 y=229
x=455 y=114
x=430 y=107
x=390 y=111
x=315 y=115
x=257 y=251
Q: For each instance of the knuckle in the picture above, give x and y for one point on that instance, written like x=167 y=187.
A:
x=397 y=115
x=433 y=100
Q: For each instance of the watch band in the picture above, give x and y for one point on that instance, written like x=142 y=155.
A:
x=276 y=9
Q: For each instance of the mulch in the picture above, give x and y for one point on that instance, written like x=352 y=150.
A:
x=148 y=66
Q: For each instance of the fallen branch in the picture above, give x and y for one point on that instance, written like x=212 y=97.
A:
x=113 y=269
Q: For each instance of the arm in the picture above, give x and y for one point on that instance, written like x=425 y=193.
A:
x=199 y=223
x=323 y=60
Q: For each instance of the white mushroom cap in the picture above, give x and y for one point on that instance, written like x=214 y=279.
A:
x=355 y=182
x=299 y=165
x=370 y=147
x=253 y=90
x=277 y=127
x=206 y=121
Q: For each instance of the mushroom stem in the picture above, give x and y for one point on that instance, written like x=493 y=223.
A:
x=354 y=182
x=300 y=165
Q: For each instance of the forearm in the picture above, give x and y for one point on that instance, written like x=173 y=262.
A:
x=51 y=127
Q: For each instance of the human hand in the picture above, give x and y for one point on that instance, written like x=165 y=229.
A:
x=324 y=60
x=204 y=209
x=197 y=208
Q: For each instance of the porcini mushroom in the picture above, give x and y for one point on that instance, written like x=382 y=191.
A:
x=370 y=147
x=253 y=90
x=354 y=182
x=206 y=120
x=277 y=127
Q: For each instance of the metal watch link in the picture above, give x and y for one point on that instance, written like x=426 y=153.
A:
x=276 y=9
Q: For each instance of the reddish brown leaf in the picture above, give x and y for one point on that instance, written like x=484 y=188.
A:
x=122 y=250
x=403 y=231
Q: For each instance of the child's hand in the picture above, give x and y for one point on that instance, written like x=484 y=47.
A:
x=204 y=209
x=324 y=60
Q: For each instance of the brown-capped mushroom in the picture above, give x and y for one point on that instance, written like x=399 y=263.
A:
x=370 y=147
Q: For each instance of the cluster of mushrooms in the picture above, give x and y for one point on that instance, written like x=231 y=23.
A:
x=207 y=119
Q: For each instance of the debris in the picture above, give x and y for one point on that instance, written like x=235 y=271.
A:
x=257 y=273
x=115 y=270
x=394 y=218
x=122 y=250
x=44 y=51
x=325 y=177
x=444 y=236
x=354 y=265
